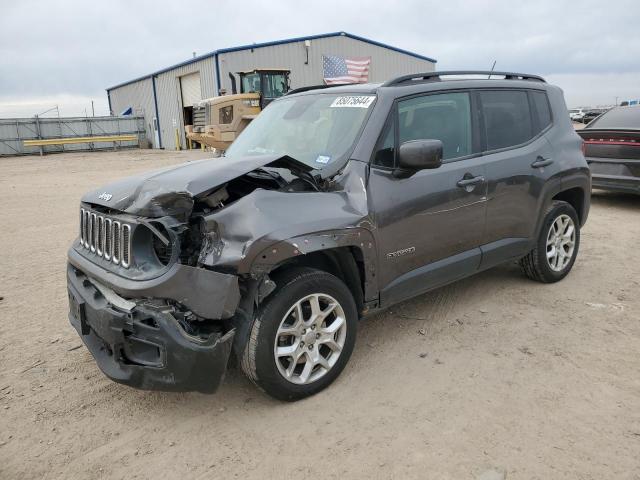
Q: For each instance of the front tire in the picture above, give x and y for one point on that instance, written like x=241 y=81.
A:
x=557 y=245
x=302 y=335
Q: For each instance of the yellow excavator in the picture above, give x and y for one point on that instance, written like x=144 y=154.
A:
x=219 y=120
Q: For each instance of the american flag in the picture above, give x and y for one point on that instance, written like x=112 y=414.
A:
x=340 y=70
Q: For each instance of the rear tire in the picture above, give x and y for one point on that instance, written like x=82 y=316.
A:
x=302 y=335
x=557 y=245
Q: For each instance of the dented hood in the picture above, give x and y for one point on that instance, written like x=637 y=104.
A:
x=171 y=191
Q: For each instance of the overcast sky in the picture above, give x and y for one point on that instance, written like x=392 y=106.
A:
x=67 y=52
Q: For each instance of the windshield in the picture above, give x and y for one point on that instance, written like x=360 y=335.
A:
x=573 y=111
x=619 y=117
x=317 y=129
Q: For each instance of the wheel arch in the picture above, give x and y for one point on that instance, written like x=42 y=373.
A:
x=575 y=197
x=347 y=254
x=574 y=188
x=346 y=263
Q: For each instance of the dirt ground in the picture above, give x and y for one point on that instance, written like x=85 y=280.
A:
x=490 y=376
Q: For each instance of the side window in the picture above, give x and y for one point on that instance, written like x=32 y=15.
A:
x=507 y=118
x=445 y=117
x=226 y=115
x=385 y=155
x=542 y=114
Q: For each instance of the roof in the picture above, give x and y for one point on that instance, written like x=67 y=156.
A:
x=271 y=44
x=431 y=81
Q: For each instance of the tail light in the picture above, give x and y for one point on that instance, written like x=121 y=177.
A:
x=618 y=140
x=606 y=144
x=583 y=147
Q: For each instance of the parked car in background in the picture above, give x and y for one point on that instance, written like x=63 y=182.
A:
x=576 y=114
x=591 y=115
x=612 y=149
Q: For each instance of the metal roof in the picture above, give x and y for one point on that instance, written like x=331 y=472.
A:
x=271 y=44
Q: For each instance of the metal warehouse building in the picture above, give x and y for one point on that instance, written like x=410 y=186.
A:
x=162 y=96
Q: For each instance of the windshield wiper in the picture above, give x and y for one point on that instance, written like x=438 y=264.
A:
x=297 y=168
x=310 y=179
x=276 y=176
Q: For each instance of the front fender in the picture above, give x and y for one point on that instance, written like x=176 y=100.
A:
x=255 y=224
x=358 y=238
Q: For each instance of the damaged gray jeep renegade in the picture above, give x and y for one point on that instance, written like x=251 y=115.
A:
x=333 y=203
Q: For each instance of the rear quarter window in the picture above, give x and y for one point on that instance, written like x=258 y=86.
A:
x=541 y=110
x=507 y=118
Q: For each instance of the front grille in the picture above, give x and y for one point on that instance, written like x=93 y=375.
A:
x=199 y=117
x=105 y=237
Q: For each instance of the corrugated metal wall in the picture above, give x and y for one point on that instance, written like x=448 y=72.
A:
x=385 y=63
x=170 y=101
x=14 y=130
x=138 y=96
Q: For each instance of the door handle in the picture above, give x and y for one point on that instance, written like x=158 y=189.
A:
x=467 y=182
x=541 y=162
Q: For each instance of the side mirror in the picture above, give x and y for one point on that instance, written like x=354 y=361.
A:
x=417 y=155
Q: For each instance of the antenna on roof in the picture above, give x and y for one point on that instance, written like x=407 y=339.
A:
x=491 y=71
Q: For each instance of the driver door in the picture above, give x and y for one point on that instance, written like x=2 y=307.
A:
x=429 y=225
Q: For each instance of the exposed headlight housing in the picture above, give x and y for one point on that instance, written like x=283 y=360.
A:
x=162 y=250
x=212 y=244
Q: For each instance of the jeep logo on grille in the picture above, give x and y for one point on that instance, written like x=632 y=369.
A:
x=105 y=196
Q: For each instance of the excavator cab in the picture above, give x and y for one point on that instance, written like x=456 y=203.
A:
x=269 y=83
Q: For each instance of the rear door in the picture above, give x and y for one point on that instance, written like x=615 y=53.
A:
x=519 y=160
x=429 y=226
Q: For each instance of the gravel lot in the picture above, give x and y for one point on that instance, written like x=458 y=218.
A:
x=492 y=375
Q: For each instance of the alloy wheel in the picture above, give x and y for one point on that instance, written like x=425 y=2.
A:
x=310 y=338
x=561 y=242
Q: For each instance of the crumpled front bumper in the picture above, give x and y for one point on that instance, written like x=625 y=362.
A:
x=145 y=347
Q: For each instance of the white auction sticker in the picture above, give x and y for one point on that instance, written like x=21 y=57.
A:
x=360 y=101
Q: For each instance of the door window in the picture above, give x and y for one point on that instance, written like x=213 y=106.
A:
x=275 y=85
x=251 y=83
x=445 y=117
x=507 y=118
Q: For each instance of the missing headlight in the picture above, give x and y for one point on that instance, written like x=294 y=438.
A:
x=162 y=251
x=161 y=242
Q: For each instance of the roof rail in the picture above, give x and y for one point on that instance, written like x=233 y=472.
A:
x=435 y=76
x=305 y=89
